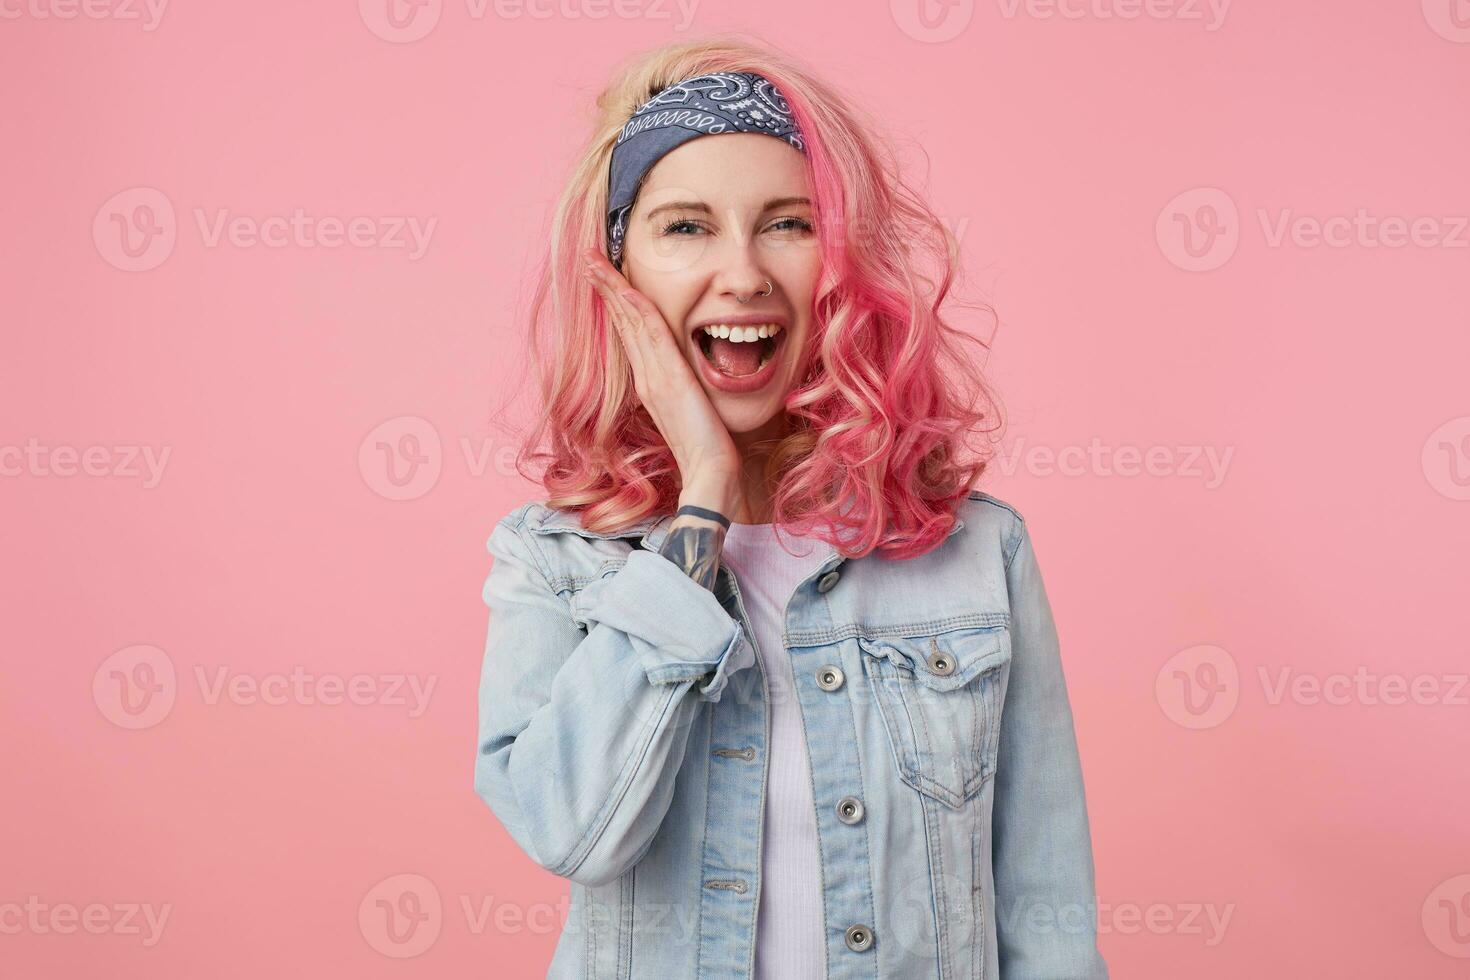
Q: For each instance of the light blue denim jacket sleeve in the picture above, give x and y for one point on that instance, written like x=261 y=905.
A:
x=583 y=720
x=1042 y=847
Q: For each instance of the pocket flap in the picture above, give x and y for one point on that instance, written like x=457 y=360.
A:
x=971 y=651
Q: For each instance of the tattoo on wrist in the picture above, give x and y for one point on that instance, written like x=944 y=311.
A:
x=694 y=545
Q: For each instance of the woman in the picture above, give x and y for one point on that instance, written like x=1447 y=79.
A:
x=847 y=751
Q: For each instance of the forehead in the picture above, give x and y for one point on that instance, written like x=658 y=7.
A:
x=728 y=168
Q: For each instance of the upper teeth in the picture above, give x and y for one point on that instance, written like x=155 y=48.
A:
x=743 y=334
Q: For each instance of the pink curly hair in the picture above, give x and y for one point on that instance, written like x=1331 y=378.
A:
x=877 y=456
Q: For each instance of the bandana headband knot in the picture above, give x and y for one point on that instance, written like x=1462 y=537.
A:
x=705 y=105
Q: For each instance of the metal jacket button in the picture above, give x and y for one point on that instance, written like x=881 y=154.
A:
x=939 y=662
x=850 y=810
x=829 y=677
x=825 y=583
x=858 y=938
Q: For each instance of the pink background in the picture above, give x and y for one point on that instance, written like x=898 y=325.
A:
x=1240 y=831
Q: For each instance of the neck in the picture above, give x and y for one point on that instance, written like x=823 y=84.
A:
x=755 y=450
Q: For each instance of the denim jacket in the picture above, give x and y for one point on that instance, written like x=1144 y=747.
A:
x=623 y=729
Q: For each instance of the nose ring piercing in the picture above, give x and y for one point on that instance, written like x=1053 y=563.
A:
x=769 y=289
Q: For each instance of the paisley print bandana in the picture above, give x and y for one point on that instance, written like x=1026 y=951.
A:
x=721 y=102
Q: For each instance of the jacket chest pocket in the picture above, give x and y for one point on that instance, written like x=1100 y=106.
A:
x=940 y=698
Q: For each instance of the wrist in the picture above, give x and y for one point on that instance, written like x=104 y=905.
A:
x=714 y=493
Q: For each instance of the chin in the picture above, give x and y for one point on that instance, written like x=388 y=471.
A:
x=742 y=418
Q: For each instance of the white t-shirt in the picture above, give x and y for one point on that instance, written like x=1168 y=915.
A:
x=789 y=941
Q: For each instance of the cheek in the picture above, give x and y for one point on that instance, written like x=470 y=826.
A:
x=690 y=353
x=803 y=361
x=799 y=267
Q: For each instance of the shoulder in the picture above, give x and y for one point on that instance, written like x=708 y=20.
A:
x=529 y=531
x=509 y=537
x=559 y=544
x=537 y=517
x=531 y=515
x=992 y=522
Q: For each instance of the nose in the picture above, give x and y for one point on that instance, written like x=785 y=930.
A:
x=766 y=288
x=740 y=275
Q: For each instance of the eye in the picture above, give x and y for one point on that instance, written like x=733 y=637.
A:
x=678 y=223
x=791 y=224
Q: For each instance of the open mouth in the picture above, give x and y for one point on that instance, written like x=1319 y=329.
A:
x=738 y=351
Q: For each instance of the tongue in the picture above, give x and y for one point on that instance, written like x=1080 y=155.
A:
x=735 y=359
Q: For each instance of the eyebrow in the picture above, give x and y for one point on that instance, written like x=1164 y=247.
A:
x=771 y=205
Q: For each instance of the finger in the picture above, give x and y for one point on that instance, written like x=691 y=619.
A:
x=622 y=321
x=653 y=326
x=629 y=324
x=645 y=352
x=618 y=299
x=664 y=355
x=651 y=336
x=642 y=323
x=605 y=280
x=633 y=323
x=601 y=265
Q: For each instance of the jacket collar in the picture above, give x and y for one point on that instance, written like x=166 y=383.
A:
x=650 y=531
